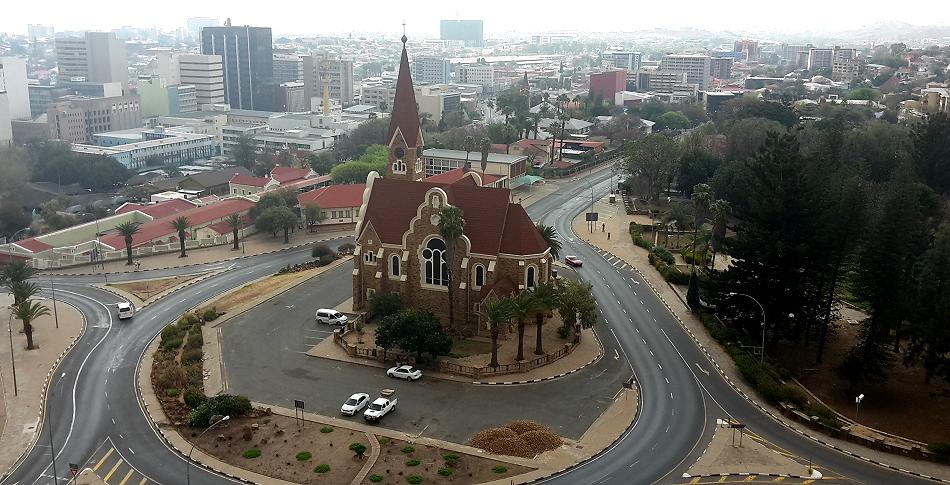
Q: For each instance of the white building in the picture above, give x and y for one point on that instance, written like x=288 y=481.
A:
x=6 y=127
x=628 y=61
x=13 y=81
x=320 y=66
x=173 y=147
x=431 y=70
x=695 y=66
x=206 y=74
x=480 y=74
x=98 y=56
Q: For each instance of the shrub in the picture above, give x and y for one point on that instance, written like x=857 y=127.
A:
x=171 y=332
x=170 y=376
x=445 y=471
x=375 y=478
x=326 y=429
x=414 y=479
x=251 y=453
x=499 y=469
x=172 y=343
x=564 y=331
x=383 y=440
x=321 y=468
x=321 y=250
x=382 y=305
x=173 y=392
x=451 y=459
x=194 y=397
x=195 y=340
x=643 y=243
x=222 y=405
x=192 y=319
x=359 y=449
x=346 y=248
x=665 y=255
x=303 y=456
x=407 y=449
x=191 y=356
x=326 y=259
x=412 y=462
x=825 y=416
x=210 y=314
x=941 y=448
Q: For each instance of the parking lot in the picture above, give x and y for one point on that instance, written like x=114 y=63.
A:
x=264 y=355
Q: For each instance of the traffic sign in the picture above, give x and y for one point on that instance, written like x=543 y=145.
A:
x=592 y=216
x=298 y=404
x=73 y=469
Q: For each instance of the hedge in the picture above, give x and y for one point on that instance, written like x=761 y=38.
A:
x=223 y=405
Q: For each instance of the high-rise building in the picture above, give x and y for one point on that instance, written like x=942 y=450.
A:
x=6 y=124
x=38 y=31
x=604 y=85
x=165 y=65
x=247 y=55
x=471 y=32
x=844 y=70
x=42 y=96
x=431 y=70
x=720 y=67
x=13 y=81
x=479 y=74
x=161 y=98
x=661 y=81
x=749 y=50
x=206 y=74
x=437 y=101
x=290 y=97
x=790 y=52
x=819 y=59
x=628 y=61
x=696 y=68
x=76 y=119
x=287 y=68
x=320 y=66
x=98 y=57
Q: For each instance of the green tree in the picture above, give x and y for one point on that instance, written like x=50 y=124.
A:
x=720 y=217
x=932 y=153
x=576 y=298
x=274 y=198
x=695 y=167
x=496 y=312
x=673 y=120
x=929 y=329
x=368 y=133
x=651 y=160
x=181 y=224
x=451 y=228
x=323 y=162
x=27 y=312
x=414 y=331
x=746 y=137
x=235 y=221
x=550 y=236
x=383 y=305
x=863 y=93
x=244 y=152
x=522 y=306
x=313 y=214
x=545 y=299
x=359 y=449
x=128 y=230
x=283 y=218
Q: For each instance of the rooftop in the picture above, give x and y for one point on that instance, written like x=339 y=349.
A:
x=475 y=157
x=334 y=196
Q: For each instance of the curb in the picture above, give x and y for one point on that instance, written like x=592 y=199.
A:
x=542 y=379
x=288 y=248
x=746 y=474
x=164 y=293
x=745 y=396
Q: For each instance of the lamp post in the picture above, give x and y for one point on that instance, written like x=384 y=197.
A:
x=188 y=463
x=761 y=355
x=857 y=405
x=52 y=288
x=12 y=360
x=49 y=427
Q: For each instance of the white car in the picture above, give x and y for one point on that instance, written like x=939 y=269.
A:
x=406 y=372
x=330 y=317
x=355 y=404
x=125 y=310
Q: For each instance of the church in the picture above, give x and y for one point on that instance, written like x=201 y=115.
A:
x=399 y=249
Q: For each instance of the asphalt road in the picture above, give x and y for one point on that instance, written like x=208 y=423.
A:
x=93 y=397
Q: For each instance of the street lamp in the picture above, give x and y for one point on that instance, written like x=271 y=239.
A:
x=188 y=463
x=857 y=405
x=12 y=360
x=49 y=426
x=762 y=355
x=52 y=289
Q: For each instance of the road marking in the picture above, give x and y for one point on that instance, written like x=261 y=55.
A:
x=695 y=479
x=704 y=371
x=667 y=379
x=133 y=451
x=671 y=395
x=641 y=302
x=667 y=431
x=779 y=479
x=616 y=355
x=143 y=481
x=114 y=468
x=654 y=319
x=651 y=354
x=660 y=366
x=644 y=341
x=749 y=478
x=722 y=479
x=635 y=281
x=126 y=478
x=113 y=421
x=102 y=460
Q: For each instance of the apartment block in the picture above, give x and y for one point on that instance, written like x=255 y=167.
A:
x=628 y=61
x=287 y=68
x=206 y=74
x=696 y=67
x=13 y=82
x=720 y=67
x=748 y=50
x=604 y=85
x=98 y=57
x=664 y=82
x=431 y=70
x=76 y=119
x=339 y=72
x=480 y=74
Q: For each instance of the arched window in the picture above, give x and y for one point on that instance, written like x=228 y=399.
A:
x=394 y=266
x=479 y=276
x=530 y=277
x=436 y=270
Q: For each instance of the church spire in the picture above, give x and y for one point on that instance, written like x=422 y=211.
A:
x=405 y=132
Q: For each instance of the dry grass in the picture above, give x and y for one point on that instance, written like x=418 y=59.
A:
x=519 y=438
x=146 y=289
x=255 y=291
x=469 y=469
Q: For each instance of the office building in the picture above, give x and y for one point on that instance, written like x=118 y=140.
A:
x=748 y=50
x=720 y=67
x=247 y=55
x=437 y=101
x=605 y=85
x=166 y=65
x=42 y=96
x=844 y=70
x=98 y=57
x=287 y=68
x=134 y=148
x=38 y=31
x=206 y=74
x=660 y=81
x=470 y=32
x=628 y=61
x=431 y=70
x=318 y=67
x=6 y=124
x=479 y=74
x=160 y=98
x=76 y=119
x=290 y=97
x=791 y=52
x=380 y=96
x=89 y=89
x=13 y=82
x=819 y=59
x=696 y=68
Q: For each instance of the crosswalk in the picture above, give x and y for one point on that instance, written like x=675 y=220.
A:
x=109 y=464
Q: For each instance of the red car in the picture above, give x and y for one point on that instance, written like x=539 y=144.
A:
x=573 y=261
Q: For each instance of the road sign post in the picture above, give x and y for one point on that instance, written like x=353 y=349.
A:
x=298 y=412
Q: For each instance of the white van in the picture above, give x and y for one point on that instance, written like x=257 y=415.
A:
x=330 y=317
x=125 y=310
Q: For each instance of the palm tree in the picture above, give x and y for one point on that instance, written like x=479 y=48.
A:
x=22 y=290
x=424 y=118
x=181 y=224
x=535 y=119
x=522 y=306
x=28 y=311
x=496 y=312
x=451 y=228
x=545 y=299
x=702 y=197
x=468 y=144
x=128 y=229
x=235 y=221
x=549 y=234
x=14 y=276
x=564 y=117
x=507 y=111
x=484 y=146
x=720 y=211
x=562 y=99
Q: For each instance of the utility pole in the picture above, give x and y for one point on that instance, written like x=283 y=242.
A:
x=12 y=359
x=52 y=288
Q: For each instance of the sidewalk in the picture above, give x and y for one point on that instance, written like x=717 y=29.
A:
x=620 y=245
x=255 y=244
x=20 y=415
x=721 y=457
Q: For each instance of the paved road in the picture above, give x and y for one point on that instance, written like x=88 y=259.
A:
x=93 y=397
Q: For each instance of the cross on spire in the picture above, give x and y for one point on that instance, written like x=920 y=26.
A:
x=404 y=38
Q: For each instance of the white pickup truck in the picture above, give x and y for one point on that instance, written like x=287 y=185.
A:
x=383 y=405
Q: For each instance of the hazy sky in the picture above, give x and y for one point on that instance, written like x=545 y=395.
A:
x=500 y=16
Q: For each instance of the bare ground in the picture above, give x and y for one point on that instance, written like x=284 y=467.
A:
x=145 y=289
x=391 y=465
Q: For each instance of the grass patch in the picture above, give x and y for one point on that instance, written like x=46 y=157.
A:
x=407 y=449
x=445 y=471
x=414 y=479
x=304 y=456
x=375 y=478
x=251 y=453
x=412 y=462
x=383 y=440
x=326 y=429
x=499 y=469
x=321 y=468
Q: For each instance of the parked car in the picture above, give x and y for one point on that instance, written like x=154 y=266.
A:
x=406 y=372
x=573 y=261
x=330 y=317
x=125 y=310
x=355 y=404
x=383 y=405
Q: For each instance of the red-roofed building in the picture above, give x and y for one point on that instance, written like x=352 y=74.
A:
x=480 y=179
x=300 y=179
x=291 y=174
x=159 y=210
x=340 y=204
x=399 y=247
x=160 y=231
x=249 y=185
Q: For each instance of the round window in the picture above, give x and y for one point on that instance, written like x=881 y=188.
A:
x=427 y=253
x=400 y=153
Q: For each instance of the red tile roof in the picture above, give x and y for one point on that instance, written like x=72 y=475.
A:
x=334 y=196
x=248 y=180
x=492 y=224
x=289 y=174
x=499 y=289
x=224 y=227
x=457 y=174
x=197 y=216
x=298 y=184
x=158 y=210
x=405 y=115
x=32 y=245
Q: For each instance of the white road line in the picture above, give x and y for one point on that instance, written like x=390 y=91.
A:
x=651 y=354
x=641 y=302
x=667 y=380
x=133 y=451
x=660 y=366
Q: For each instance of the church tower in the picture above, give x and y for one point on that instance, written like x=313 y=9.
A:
x=405 y=132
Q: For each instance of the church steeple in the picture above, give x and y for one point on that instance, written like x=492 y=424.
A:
x=405 y=132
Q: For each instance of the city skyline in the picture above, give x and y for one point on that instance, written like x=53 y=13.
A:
x=504 y=19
